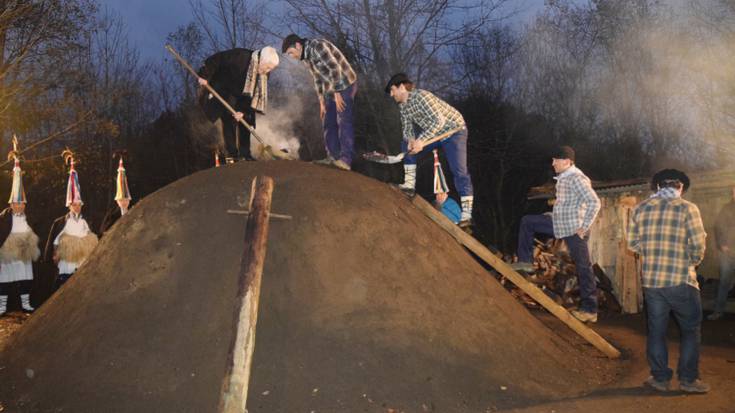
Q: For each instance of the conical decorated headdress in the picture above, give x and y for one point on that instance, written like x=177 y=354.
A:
x=17 y=192
x=123 y=192
x=73 y=190
x=440 y=182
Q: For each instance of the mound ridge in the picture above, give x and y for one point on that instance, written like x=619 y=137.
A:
x=365 y=305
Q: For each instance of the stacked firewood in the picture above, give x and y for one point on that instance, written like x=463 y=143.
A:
x=556 y=275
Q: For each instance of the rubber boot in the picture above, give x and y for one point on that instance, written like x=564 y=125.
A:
x=409 y=180
x=466 y=217
x=25 y=303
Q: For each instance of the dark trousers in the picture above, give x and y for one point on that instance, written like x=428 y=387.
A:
x=578 y=250
x=235 y=134
x=685 y=302
x=23 y=287
x=61 y=280
x=455 y=149
x=339 y=132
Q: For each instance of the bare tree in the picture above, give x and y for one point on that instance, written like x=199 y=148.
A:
x=228 y=24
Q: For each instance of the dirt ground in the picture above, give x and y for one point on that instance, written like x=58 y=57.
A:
x=366 y=306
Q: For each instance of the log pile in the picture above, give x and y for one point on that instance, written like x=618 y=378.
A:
x=556 y=275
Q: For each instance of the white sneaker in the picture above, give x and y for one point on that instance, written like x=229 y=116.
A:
x=715 y=316
x=584 y=316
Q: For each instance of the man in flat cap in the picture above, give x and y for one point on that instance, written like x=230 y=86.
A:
x=668 y=233
x=574 y=212
x=423 y=117
x=336 y=85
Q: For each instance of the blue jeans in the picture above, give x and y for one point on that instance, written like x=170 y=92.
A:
x=578 y=250
x=455 y=149
x=727 y=266
x=685 y=302
x=339 y=132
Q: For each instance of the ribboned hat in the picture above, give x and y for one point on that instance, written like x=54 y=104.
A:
x=669 y=175
x=564 y=152
x=290 y=41
x=396 y=80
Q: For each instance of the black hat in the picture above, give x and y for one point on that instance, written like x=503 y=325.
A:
x=564 y=152
x=290 y=41
x=397 y=80
x=669 y=175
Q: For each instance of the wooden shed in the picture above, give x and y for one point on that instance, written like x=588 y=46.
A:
x=709 y=191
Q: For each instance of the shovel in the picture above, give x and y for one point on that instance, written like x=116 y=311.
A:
x=391 y=159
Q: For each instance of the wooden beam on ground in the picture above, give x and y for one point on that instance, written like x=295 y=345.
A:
x=505 y=269
x=234 y=392
x=246 y=212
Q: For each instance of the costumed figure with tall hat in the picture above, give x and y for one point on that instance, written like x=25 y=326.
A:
x=70 y=240
x=19 y=244
x=122 y=198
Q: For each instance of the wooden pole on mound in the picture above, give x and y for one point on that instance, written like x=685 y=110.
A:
x=502 y=267
x=234 y=393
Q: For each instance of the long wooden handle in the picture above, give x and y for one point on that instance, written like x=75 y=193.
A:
x=502 y=267
x=278 y=153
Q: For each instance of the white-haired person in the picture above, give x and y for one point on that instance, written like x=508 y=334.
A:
x=240 y=76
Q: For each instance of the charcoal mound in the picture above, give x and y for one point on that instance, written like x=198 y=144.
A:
x=366 y=306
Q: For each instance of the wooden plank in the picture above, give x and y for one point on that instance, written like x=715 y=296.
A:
x=234 y=392
x=502 y=267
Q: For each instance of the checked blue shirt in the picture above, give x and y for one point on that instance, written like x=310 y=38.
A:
x=668 y=233
x=576 y=203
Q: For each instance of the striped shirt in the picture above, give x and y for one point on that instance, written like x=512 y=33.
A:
x=431 y=114
x=329 y=67
x=668 y=234
x=576 y=203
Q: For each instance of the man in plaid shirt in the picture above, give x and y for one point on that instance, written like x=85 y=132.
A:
x=432 y=117
x=574 y=212
x=336 y=85
x=667 y=232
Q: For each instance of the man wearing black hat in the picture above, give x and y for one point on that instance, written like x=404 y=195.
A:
x=668 y=233
x=336 y=85
x=574 y=212
x=433 y=117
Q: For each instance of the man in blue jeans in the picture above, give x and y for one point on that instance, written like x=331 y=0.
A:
x=667 y=232
x=336 y=85
x=574 y=212
x=725 y=240
x=423 y=111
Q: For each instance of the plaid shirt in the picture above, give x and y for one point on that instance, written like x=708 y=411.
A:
x=329 y=67
x=433 y=115
x=668 y=234
x=576 y=203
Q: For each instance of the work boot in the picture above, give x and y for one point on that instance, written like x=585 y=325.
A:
x=715 y=316
x=25 y=303
x=584 y=316
x=526 y=267
x=326 y=161
x=465 y=219
x=340 y=164
x=3 y=304
x=696 y=386
x=657 y=385
x=409 y=180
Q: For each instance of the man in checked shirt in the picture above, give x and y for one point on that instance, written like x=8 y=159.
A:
x=668 y=234
x=574 y=212
x=431 y=116
x=336 y=85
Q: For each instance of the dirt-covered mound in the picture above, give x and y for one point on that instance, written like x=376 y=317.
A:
x=366 y=305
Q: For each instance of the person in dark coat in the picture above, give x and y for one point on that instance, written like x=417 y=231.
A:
x=239 y=76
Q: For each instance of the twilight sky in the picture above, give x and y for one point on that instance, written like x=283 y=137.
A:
x=150 y=21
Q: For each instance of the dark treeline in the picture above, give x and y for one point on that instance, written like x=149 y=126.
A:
x=632 y=85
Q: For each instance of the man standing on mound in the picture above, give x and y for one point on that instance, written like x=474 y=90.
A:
x=434 y=117
x=19 y=247
x=239 y=76
x=70 y=240
x=668 y=233
x=574 y=212
x=336 y=85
